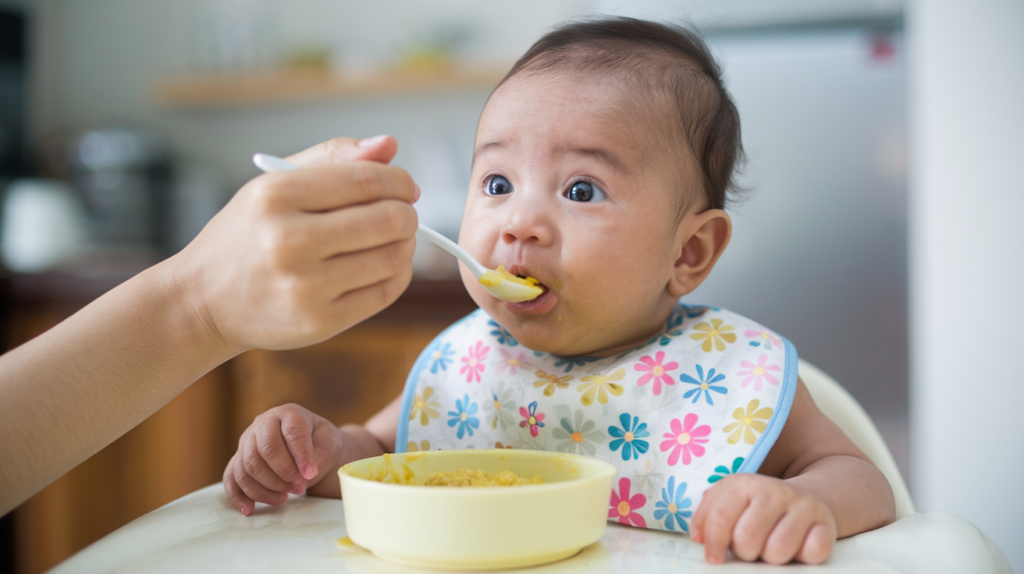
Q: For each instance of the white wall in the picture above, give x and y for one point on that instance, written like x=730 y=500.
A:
x=966 y=252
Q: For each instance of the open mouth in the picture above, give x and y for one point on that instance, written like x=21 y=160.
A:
x=538 y=305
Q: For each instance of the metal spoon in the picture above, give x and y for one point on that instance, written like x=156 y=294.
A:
x=503 y=286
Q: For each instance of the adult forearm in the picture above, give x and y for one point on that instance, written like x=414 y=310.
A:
x=76 y=388
x=856 y=492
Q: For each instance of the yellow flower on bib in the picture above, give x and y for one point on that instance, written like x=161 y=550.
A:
x=551 y=382
x=424 y=407
x=600 y=385
x=749 y=422
x=716 y=333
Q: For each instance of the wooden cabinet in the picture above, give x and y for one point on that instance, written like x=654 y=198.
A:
x=185 y=445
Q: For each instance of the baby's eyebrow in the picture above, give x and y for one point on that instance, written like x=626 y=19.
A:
x=602 y=155
x=486 y=147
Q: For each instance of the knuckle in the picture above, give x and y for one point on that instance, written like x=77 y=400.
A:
x=394 y=218
x=246 y=483
x=263 y=197
x=718 y=519
x=251 y=465
x=267 y=450
x=366 y=176
x=746 y=537
x=388 y=291
x=804 y=504
x=280 y=244
x=334 y=148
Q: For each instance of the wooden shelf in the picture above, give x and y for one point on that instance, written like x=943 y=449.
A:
x=301 y=86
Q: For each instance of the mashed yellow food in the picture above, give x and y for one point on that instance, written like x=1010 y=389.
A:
x=465 y=477
x=402 y=474
x=493 y=278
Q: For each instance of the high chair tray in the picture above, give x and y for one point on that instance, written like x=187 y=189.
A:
x=201 y=533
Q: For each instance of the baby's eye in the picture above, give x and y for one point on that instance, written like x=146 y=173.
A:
x=585 y=191
x=498 y=185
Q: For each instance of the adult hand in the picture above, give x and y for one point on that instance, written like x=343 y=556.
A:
x=298 y=256
x=293 y=258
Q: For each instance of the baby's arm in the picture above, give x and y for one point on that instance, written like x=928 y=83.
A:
x=290 y=449
x=815 y=486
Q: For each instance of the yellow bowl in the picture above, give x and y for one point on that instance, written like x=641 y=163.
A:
x=476 y=528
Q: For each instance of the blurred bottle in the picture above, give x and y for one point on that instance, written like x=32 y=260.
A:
x=43 y=225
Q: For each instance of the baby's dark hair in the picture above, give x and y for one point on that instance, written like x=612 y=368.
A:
x=658 y=60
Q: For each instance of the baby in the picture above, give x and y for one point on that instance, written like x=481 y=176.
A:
x=601 y=168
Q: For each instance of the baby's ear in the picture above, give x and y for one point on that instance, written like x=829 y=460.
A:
x=701 y=237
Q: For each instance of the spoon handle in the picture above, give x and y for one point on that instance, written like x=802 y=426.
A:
x=451 y=247
x=269 y=163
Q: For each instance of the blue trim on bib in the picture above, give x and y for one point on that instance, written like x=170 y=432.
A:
x=779 y=417
x=402 y=434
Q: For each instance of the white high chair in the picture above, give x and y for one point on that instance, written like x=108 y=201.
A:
x=944 y=542
x=202 y=533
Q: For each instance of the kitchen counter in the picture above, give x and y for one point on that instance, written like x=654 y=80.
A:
x=201 y=533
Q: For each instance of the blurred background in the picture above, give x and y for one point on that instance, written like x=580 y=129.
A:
x=126 y=124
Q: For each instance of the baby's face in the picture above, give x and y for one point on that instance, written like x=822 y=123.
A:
x=574 y=188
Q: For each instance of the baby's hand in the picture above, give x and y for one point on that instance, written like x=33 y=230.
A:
x=763 y=517
x=286 y=449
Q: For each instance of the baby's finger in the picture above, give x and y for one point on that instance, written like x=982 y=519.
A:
x=297 y=431
x=256 y=465
x=238 y=499
x=818 y=544
x=270 y=448
x=378 y=148
x=717 y=527
x=755 y=524
x=787 y=537
x=254 y=490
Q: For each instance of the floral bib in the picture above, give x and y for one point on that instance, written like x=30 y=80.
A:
x=704 y=399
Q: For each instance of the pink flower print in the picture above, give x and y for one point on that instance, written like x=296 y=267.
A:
x=473 y=362
x=685 y=439
x=758 y=372
x=656 y=370
x=532 y=418
x=762 y=337
x=512 y=361
x=624 y=508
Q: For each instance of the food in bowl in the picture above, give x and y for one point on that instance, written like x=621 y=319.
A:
x=390 y=512
x=400 y=473
x=466 y=477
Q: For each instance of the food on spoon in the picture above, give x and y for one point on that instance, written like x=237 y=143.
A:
x=495 y=277
x=466 y=477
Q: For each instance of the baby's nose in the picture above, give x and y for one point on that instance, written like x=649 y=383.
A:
x=528 y=223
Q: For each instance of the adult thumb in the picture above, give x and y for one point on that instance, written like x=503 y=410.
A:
x=380 y=149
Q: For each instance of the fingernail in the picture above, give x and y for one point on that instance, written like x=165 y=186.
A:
x=370 y=142
x=309 y=471
x=246 y=511
x=297 y=490
x=416 y=193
